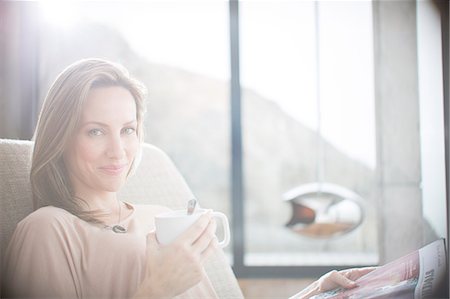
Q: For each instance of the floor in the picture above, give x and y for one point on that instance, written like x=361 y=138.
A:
x=272 y=288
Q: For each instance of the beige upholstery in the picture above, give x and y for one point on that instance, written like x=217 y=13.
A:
x=156 y=181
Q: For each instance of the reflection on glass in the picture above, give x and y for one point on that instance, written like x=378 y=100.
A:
x=323 y=210
x=278 y=73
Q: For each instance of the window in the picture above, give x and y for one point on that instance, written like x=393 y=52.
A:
x=288 y=94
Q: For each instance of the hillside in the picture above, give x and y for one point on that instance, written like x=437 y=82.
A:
x=189 y=118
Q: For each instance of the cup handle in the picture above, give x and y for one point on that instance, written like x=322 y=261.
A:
x=226 y=228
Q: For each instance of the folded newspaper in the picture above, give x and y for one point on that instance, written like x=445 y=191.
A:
x=420 y=274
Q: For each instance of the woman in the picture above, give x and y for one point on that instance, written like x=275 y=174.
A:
x=81 y=241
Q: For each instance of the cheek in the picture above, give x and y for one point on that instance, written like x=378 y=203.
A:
x=86 y=153
x=89 y=153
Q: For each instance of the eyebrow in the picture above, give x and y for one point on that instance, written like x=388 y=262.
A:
x=106 y=125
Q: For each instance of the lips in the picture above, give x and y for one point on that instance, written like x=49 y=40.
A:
x=113 y=169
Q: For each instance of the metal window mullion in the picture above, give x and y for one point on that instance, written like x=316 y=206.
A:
x=444 y=9
x=237 y=194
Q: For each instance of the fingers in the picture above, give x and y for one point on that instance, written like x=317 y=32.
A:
x=202 y=243
x=195 y=231
x=344 y=278
x=213 y=245
x=341 y=280
x=356 y=273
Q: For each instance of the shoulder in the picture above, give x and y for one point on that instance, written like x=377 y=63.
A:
x=48 y=217
x=43 y=230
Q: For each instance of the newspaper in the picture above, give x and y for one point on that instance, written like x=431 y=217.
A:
x=420 y=274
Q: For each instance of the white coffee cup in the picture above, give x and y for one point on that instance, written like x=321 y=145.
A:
x=171 y=224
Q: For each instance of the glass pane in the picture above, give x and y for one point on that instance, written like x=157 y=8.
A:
x=308 y=133
x=432 y=144
x=180 y=50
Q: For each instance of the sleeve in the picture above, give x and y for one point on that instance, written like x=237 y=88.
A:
x=39 y=262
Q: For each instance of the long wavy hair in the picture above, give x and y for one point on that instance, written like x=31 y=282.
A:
x=59 y=118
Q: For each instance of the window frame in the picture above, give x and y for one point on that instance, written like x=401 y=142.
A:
x=237 y=183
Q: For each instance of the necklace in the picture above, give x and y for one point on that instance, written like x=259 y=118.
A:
x=116 y=228
x=119 y=228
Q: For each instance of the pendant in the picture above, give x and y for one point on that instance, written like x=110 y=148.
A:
x=119 y=229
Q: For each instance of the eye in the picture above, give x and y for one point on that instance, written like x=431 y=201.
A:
x=128 y=131
x=95 y=132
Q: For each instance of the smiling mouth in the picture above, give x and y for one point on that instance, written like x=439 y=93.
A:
x=113 y=169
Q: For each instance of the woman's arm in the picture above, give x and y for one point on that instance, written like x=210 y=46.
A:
x=39 y=262
x=332 y=280
x=173 y=269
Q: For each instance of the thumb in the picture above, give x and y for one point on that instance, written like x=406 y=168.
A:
x=346 y=283
x=343 y=281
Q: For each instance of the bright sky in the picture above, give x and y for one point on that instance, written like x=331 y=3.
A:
x=278 y=54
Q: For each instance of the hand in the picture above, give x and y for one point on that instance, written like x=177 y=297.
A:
x=334 y=279
x=172 y=269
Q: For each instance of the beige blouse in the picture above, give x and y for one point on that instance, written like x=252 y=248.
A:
x=54 y=254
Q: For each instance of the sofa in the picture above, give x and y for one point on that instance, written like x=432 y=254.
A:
x=156 y=181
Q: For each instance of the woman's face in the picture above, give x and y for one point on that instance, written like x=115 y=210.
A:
x=105 y=144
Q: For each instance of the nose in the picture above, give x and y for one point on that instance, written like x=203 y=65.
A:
x=115 y=149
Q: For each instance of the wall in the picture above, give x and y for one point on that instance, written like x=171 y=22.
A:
x=398 y=128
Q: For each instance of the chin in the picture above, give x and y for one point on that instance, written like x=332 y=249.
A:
x=112 y=186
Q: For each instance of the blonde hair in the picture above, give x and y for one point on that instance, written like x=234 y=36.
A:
x=58 y=120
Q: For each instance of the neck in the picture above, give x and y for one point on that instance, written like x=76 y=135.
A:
x=105 y=201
